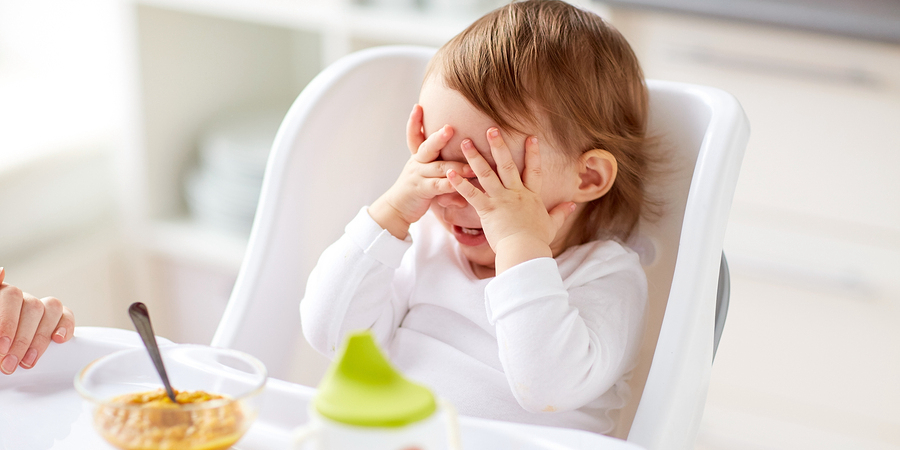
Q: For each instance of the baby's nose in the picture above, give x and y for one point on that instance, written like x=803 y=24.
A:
x=452 y=199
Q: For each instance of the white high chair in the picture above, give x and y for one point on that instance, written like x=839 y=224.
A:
x=342 y=143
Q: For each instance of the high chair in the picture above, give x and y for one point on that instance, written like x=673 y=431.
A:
x=342 y=144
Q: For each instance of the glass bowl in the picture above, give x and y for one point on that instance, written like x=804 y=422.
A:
x=132 y=412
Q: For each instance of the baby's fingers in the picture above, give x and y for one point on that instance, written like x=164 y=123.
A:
x=466 y=189
x=560 y=213
x=506 y=167
x=486 y=175
x=438 y=169
x=431 y=148
x=531 y=176
x=414 y=134
x=425 y=149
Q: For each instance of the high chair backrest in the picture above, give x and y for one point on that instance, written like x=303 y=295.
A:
x=342 y=143
x=702 y=133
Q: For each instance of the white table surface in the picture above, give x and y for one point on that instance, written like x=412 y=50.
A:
x=40 y=409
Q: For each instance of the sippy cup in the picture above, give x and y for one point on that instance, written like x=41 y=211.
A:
x=364 y=403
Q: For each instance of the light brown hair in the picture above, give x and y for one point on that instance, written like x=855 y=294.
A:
x=550 y=65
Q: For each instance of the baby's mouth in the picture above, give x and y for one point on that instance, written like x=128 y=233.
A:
x=469 y=236
x=471 y=231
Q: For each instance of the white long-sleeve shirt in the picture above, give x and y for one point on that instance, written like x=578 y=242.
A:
x=549 y=341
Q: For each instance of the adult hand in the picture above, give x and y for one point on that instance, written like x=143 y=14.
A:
x=28 y=324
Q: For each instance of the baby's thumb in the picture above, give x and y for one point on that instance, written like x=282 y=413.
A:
x=2 y=274
x=561 y=212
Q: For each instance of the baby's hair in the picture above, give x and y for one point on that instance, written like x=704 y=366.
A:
x=549 y=65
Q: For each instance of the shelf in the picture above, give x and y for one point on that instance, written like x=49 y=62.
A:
x=867 y=19
x=406 y=26
x=330 y=17
x=283 y=13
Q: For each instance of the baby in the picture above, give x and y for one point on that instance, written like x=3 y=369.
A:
x=493 y=269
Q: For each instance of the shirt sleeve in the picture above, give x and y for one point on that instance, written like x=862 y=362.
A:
x=351 y=286
x=563 y=344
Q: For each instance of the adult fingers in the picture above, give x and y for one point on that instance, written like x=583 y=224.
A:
x=506 y=167
x=414 y=134
x=30 y=317
x=65 y=329
x=53 y=311
x=431 y=148
x=486 y=175
x=11 y=299
x=532 y=177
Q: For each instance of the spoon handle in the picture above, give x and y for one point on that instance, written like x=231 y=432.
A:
x=141 y=318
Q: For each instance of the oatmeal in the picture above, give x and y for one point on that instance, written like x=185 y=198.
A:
x=149 y=420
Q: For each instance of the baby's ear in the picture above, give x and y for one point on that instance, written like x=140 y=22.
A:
x=597 y=170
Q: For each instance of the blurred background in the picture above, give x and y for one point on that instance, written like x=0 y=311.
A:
x=134 y=134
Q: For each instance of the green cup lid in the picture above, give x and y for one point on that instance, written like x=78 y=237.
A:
x=362 y=388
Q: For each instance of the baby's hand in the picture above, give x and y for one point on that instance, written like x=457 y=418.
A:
x=515 y=220
x=28 y=324
x=423 y=178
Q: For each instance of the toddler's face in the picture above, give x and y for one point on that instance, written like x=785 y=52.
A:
x=445 y=106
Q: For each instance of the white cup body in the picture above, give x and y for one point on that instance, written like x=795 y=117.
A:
x=436 y=432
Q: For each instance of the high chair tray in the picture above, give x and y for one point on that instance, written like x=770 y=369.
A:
x=40 y=409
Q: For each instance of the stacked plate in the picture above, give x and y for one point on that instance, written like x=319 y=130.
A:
x=223 y=190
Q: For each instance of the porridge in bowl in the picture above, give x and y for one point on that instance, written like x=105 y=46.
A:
x=149 y=420
x=217 y=392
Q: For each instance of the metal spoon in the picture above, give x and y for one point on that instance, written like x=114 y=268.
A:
x=141 y=318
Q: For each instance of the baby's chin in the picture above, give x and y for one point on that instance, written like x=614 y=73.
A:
x=479 y=256
x=483 y=272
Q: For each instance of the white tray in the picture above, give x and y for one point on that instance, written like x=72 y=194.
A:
x=40 y=410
